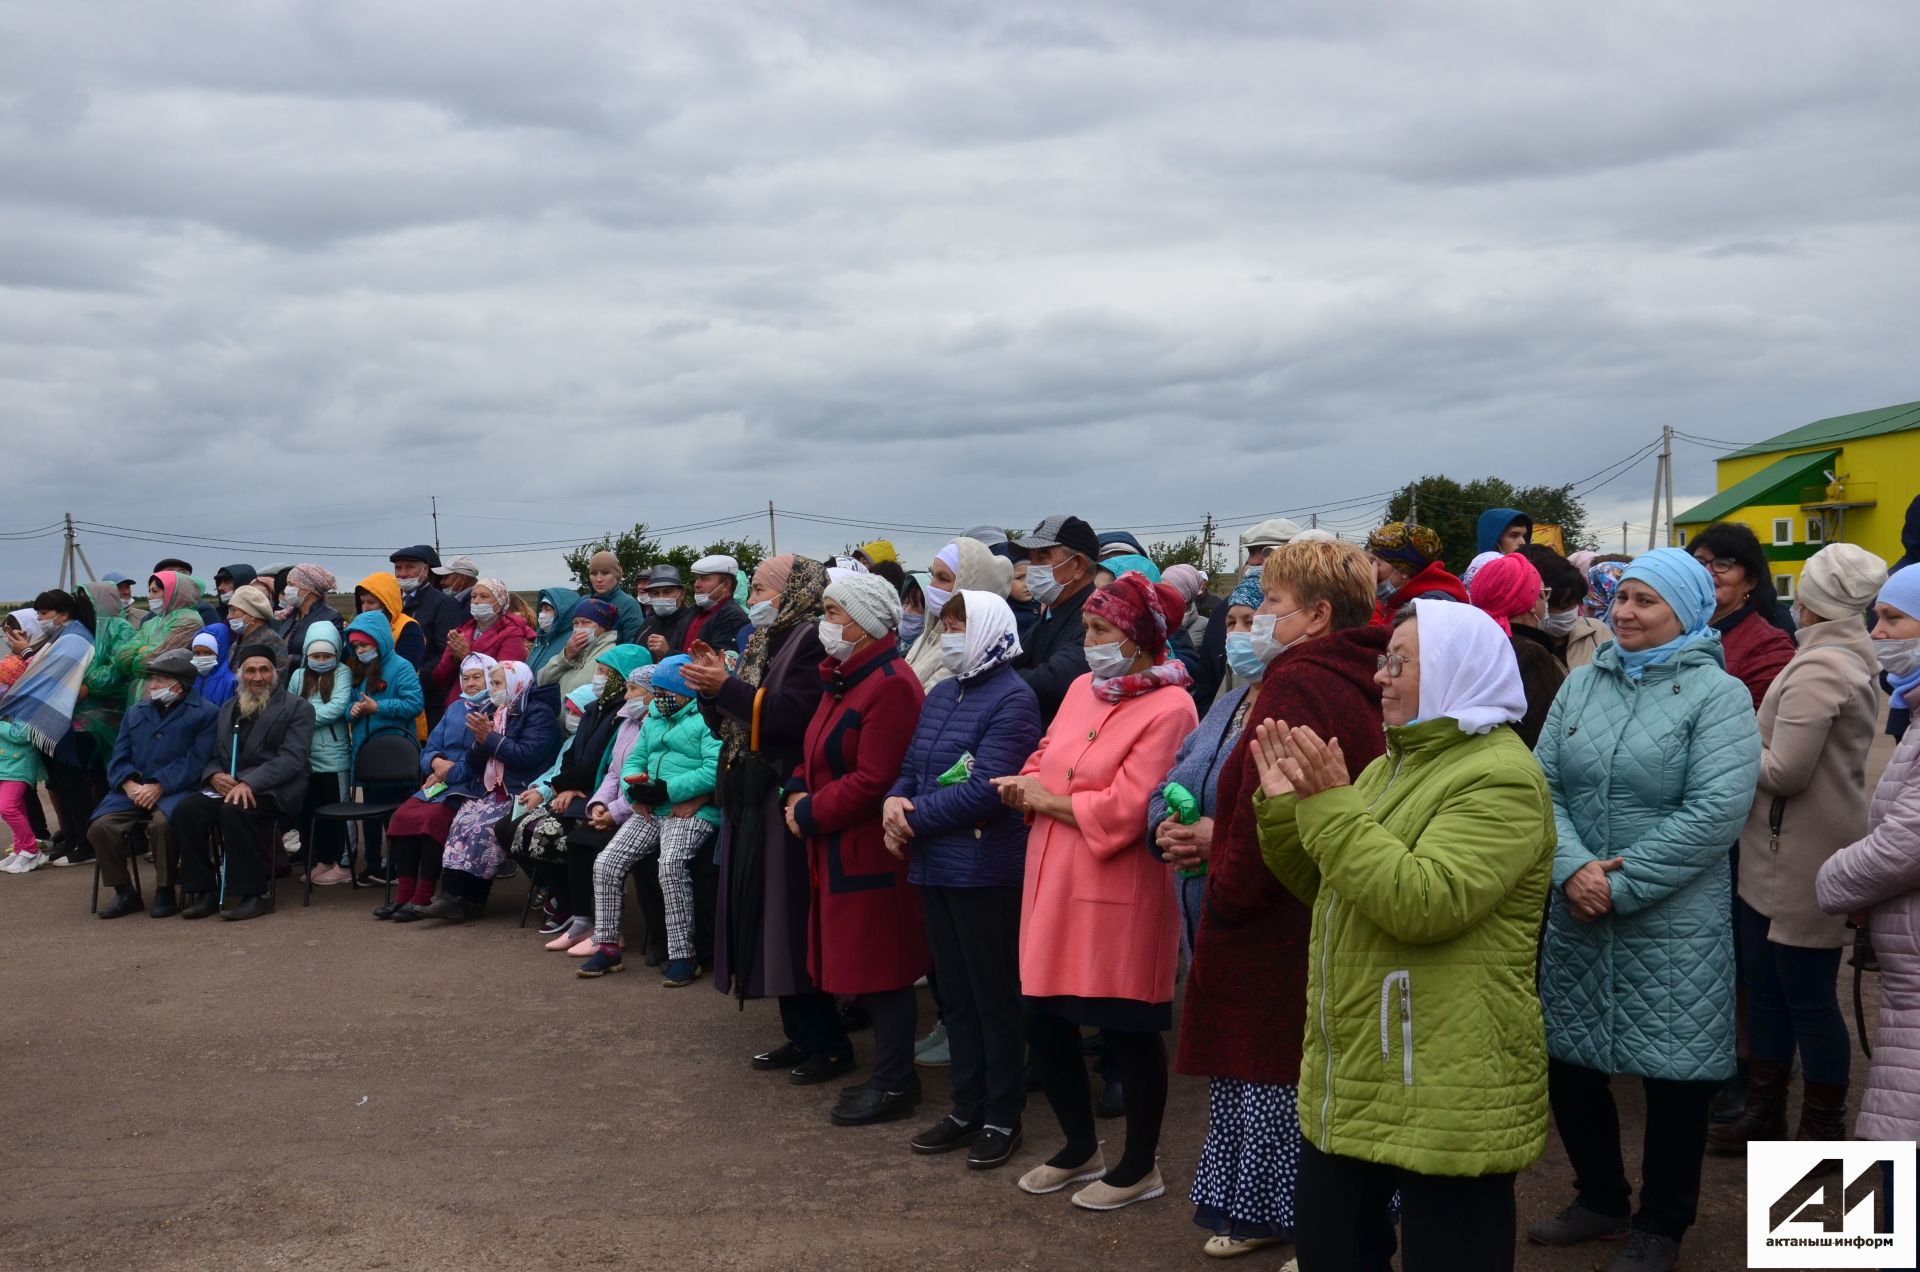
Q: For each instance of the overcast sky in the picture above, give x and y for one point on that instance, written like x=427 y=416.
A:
x=279 y=271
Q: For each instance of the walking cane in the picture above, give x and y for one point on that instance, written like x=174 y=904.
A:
x=1863 y=960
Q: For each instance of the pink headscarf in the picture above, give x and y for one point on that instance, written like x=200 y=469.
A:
x=1505 y=588
x=519 y=680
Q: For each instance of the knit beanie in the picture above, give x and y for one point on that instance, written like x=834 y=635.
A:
x=604 y=560
x=1840 y=581
x=869 y=601
x=251 y=600
x=312 y=580
x=667 y=677
x=598 y=612
x=1186 y=580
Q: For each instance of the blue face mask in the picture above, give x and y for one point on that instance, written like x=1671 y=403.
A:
x=321 y=666
x=1241 y=657
x=911 y=625
x=761 y=614
x=365 y=653
x=475 y=698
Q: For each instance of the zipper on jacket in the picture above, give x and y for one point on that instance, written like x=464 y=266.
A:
x=1403 y=981
x=1326 y=923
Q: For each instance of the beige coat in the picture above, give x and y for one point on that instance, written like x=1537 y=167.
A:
x=1816 y=724
x=1584 y=641
x=980 y=571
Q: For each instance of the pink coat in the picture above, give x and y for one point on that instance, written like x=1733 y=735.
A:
x=1881 y=873
x=1098 y=918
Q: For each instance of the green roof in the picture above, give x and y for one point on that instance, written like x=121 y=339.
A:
x=1778 y=483
x=1841 y=428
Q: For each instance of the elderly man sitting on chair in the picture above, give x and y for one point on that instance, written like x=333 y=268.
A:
x=257 y=774
x=163 y=748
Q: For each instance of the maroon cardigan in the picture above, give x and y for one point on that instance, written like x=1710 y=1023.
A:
x=1246 y=1000
x=1756 y=651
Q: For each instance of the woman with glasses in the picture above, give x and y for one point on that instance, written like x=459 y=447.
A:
x=1301 y=638
x=1652 y=754
x=1756 y=645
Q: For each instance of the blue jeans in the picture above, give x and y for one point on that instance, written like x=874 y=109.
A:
x=1792 y=1000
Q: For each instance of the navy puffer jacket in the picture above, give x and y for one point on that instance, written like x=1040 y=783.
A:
x=963 y=836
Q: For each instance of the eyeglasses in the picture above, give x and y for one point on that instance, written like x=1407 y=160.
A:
x=1392 y=664
x=1719 y=565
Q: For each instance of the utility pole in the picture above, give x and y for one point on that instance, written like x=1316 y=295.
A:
x=1623 y=538
x=1413 y=507
x=773 y=532
x=436 y=524
x=1316 y=520
x=66 y=555
x=1206 y=544
x=1659 y=473
x=1666 y=465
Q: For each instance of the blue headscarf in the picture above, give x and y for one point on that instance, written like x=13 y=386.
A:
x=1902 y=591
x=1247 y=592
x=1119 y=565
x=1684 y=584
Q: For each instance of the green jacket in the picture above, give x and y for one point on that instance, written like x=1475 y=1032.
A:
x=1427 y=877
x=19 y=759
x=683 y=753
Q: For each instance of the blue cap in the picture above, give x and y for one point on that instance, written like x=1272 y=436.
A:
x=667 y=677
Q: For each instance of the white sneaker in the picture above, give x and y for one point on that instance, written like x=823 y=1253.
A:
x=12 y=864
x=33 y=861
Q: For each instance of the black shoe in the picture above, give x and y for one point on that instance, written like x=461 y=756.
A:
x=248 y=908
x=1576 y=1224
x=945 y=1135
x=817 y=1069
x=873 y=1105
x=445 y=906
x=1731 y=1100
x=374 y=876
x=386 y=909
x=407 y=914
x=784 y=1056
x=1112 y=1101
x=125 y=901
x=202 y=905
x=79 y=855
x=1092 y=1044
x=165 y=904
x=995 y=1147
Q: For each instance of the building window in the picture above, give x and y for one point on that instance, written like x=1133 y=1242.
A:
x=1816 y=530
x=1683 y=538
x=1783 y=584
x=1782 y=531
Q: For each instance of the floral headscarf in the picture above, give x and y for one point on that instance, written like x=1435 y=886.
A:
x=1602 y=580
x=802 y=601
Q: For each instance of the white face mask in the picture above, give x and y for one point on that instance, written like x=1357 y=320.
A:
x=953 y=651
x=1264 y=645
x=599 y=683
x=410 y=585
x=663 y=605
x=1107 y=662
x=705 y=600
x=1898 y=658
x=237 y=624
x=204 y=663
x=499 y=697
x=484 y=613
x=1042 y=585
x=937 y=599
x=291 y=596
x=586 y=631
x=1559 y=622
x=164 y=696
x=833 y=641
x=545 y=621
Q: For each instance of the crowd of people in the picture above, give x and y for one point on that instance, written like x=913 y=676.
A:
x=1437 y=857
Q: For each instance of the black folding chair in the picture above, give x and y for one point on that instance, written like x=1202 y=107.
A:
x=136 y=838
x=392 y=758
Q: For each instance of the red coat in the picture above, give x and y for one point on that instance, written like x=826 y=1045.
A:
x=1756 y=652
x=1432 y=581
x=1246 y=1000
x=505 y=641
x=865 y=931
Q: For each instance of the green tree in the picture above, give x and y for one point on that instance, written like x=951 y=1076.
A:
x=1452 y=508
x=1188 y=551
x=635 y=548
x=748 y=552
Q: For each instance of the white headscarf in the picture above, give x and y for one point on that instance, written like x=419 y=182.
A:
x=993 y=636
x=519 y=678
x=1467 y=668
x=1473 y=567
x=485 y=662
x=29 y=621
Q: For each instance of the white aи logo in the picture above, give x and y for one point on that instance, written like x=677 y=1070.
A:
x=1828 y=1204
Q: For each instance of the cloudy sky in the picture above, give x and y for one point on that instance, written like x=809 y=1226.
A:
x=277 y=272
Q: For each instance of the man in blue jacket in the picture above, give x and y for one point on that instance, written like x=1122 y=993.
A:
x=164 y=744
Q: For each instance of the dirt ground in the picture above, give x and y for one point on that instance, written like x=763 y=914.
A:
x=319 y=1090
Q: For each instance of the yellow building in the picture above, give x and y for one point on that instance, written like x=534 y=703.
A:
x=1847 y=479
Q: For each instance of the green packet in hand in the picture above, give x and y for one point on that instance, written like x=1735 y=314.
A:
x=962 y=770
x=435 y=791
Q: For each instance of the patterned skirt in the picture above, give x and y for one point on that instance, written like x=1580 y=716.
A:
x=1243 y=1186
x=472 y=847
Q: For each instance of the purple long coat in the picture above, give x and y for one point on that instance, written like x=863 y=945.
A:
x=1881 y=873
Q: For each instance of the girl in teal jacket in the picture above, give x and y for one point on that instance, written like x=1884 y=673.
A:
x=1652 y=755
x=328 y=686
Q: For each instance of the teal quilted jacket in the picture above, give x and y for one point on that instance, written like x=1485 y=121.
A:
x=1661 y=773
